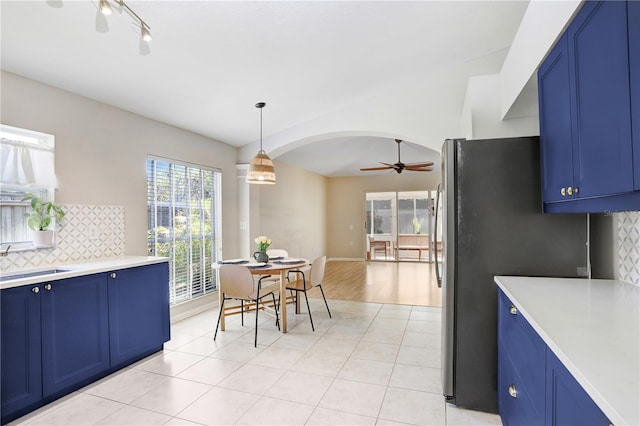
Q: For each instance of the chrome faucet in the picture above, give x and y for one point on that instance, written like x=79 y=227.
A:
x=6 y=252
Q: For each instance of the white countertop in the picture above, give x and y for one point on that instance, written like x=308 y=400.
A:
x=593 y=327
x=77 y=269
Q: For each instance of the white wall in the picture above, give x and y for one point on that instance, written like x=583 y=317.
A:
x=101 y=153
x=292 y=212
x=346 y=209
x=540 y=27
x=482 y=119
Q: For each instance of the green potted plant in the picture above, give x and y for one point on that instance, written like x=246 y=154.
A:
x=42 y=214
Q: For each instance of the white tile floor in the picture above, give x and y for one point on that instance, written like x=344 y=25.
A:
x=371 y=364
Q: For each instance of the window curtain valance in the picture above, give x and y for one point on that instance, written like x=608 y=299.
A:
x=27 y=164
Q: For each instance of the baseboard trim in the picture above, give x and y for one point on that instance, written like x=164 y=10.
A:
x=193 y=307
x=346 y=259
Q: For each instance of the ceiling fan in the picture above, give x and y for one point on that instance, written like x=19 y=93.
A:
x=400 y=166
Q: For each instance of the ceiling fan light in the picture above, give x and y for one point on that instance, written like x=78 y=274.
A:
x=261 y=170
x=105 y=7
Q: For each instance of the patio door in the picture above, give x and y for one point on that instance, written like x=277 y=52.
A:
x=400 y=226
x=381 y=225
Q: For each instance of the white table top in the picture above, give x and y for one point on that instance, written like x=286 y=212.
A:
x=77 y=269
x=593 y=327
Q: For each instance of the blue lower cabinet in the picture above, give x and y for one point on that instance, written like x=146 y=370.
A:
x=20 y=348
x=521 y=366
x=138 y=311
x=515 y=404
x=75 y=331
x=61 y=335
x=534 y=387
x=567 y=402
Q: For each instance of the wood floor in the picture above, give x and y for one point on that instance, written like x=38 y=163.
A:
x=403 y=283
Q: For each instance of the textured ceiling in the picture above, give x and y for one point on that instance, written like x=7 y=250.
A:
x=340 y=74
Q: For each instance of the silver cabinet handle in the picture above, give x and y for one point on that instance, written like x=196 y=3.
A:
x=513 y=310
x=35 y=290
x=575 y=191
x=113 y=275
x=570 y=190
x=47 y=286
x=563 y=192
x=513 y=392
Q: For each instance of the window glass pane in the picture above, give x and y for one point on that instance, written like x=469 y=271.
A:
x=405 y=216
x=182 y=213
x=382 y=216
x=27 y=167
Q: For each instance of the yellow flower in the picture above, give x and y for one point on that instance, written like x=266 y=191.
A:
x=263 y=243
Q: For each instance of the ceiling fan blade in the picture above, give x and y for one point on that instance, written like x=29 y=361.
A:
x=369 y=169
x=419 y=169
x=392 y=166
x=425 y=164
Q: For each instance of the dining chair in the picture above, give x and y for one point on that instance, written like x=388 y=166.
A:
x=236 y=282
x=375 y=246
x=301 y=284
x=273 y=279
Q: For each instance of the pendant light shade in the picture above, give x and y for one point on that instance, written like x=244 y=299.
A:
x=261 y=169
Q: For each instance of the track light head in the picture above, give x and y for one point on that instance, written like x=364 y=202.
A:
x=105 y=7
x=145 y=33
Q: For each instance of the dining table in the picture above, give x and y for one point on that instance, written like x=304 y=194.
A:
x=272 y=267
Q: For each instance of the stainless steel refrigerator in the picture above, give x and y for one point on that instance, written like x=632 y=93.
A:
x=492 y=224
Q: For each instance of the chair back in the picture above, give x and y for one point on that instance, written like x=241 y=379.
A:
x=317 y=271
x=236 y=281
x=277 y=253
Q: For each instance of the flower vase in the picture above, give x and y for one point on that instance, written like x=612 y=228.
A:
x=261 y=256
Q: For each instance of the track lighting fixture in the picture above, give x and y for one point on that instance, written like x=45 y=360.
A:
x=261 y=170
x=105 y=7
x=145 y=30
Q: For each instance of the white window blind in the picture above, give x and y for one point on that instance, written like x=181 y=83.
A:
x=184 y=224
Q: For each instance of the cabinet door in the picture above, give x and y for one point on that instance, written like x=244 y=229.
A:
x=20 y=350
x=634 y=73
x=138 y=311
x=599 y=62
x=75 y=331
x=567 y=402
x=556 y=150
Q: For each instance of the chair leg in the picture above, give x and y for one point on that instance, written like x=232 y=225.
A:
x=309 y=309
x=276 y=306
x=219 y=317
x=255 y=340
x=325 y=300
x=242 y=313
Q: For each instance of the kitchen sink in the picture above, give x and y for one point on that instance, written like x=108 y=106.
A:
x=29 y=274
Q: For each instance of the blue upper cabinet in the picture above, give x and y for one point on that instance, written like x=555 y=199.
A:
x=633 y=20
x=556 y=148
x=599 y=62
x=590 y=165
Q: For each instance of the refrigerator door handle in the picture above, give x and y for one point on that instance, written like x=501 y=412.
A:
x=435 y=238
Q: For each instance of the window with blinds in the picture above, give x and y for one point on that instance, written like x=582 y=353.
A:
x=184 y=205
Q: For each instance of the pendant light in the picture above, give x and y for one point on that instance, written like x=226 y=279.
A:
x=261 y=169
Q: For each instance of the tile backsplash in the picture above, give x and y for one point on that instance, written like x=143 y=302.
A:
x=86 y=233
x=629 y=247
